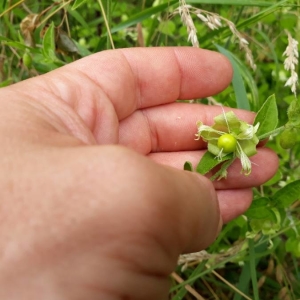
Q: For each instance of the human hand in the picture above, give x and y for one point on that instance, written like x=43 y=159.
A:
x=84 y=217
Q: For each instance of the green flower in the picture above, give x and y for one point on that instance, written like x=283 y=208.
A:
x=240 y=137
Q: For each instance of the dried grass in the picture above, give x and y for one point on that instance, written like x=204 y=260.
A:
x=213 y=21
x=291 y=62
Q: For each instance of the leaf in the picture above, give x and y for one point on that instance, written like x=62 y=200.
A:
x=65 y=43
x=49 y=44
x=259 y=209
x=267 y=117
x=293 y=245
x=237 y=81
x=250 y=82
x=188 y=166
x=294 y=113
x=3 y=4
x=287 y=195
x=145 y=14
x=209 y=161
x=78 y=3
x=6 y=82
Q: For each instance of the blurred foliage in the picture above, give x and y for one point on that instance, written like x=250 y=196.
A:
x=257 y=254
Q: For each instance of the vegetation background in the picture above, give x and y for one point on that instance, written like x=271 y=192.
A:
x=257 y=255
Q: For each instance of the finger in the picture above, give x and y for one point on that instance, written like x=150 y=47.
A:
x=264 y=166
x=177 y=209
x=171 y=127
x=136 y=78
x=234 y=203
x=187 y=204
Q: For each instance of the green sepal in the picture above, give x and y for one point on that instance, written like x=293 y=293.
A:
x=249 y=147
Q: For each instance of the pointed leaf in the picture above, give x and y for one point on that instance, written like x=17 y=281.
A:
x=188 y=166
x=287 y=195
x=259 y=209
x=237 y=81
x=267 y=117
x=49 y=43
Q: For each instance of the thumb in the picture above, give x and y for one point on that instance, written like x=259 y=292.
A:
x=195 y=207
x=180 y=209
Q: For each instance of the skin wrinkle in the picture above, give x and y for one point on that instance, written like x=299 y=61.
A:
x=60 y=114
x=129 y=259
x=74 y=102
x=138 y=96
x=47 y=119
x=152 y=133
x=175 y=54
x=164 y=118
x=112 y=66
x=141 y=86
x=94 y=122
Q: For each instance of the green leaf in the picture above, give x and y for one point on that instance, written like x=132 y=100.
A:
x=237 y=81
x=249 y=81
x=3 y=5
x=267 y=117
x=209 y=161
x=49 y=44
x=145 y=14
x=188 y=166
x=287 y=195
x=6 y=82
x=167 y=27
x=78 y=3
x=293 y=245
x=18 y=45
x=294 y=113
x=259 y=209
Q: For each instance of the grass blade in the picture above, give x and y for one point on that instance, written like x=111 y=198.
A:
x=253 y=268
x=237 y=81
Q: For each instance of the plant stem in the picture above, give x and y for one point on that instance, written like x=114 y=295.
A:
x=53 y=13
x=11 y=7
x=273 y=132
x=106 y=24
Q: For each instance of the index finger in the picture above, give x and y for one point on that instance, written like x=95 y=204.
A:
x=145 y=77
